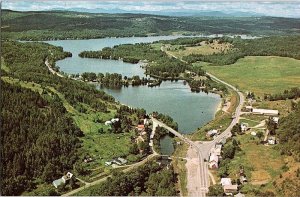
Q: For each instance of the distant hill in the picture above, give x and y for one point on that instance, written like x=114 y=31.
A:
x=166 y=12
x=46 y=25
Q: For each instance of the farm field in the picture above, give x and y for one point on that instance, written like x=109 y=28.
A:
x=260 y=74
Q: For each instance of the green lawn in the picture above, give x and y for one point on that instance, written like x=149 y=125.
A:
x=251 y=123
x=260 y=74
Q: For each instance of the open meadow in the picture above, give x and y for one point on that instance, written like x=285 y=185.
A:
x=260 y=74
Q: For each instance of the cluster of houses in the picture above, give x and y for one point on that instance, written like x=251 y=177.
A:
x=116 y=162
x=63 y=180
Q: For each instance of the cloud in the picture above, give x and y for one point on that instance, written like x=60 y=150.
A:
x=271 y=8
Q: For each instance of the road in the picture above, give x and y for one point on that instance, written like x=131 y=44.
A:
x=227 y=133
x=203 y=149
x=202 y=169
x=51 y=69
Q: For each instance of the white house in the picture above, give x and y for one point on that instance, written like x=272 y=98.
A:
x=213 y=161
x=276 y=119
x=271 y=140
x=229 y=189
x=225 y=181
x=244 y=126
x=249 y=108
x=115 y=120
x=67 y=177
x=108 y=123
x=269 y=112
x=146 y=121
x=211 y=133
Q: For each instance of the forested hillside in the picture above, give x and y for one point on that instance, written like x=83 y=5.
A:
x=39 y=139
x=74 y=25
x=288 y=133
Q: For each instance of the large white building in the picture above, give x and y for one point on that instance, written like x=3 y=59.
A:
x=268 y=112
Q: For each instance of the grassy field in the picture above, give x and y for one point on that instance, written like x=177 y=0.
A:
x=204 y=49
x=267 y=165
x=251 y=123
x=260 y=74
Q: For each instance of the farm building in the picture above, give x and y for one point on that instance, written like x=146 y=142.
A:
x=268 y=112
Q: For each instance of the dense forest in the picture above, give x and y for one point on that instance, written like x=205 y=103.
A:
x=150 y=179
x=267 y=46
x=50 y=25
x=288 y=133
x=39 y=139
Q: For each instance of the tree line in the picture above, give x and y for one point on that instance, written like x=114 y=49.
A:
x=293 y=93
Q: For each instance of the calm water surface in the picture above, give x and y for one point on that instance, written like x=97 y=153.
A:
x=190 y=110
x=75 y=64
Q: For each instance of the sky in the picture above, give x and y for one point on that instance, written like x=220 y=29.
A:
x=282 y=8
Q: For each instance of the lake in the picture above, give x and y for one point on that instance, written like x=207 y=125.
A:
x=189 y=110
